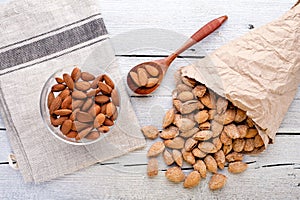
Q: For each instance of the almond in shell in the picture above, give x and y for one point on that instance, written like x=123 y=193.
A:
x=185 y=96
x=220 y=159
x=188 y=157
x=203 y=135
x=189 y=133
x=175 y=174
x=234 y=156
x=198 y=153
x=217 y=181
x=237 y=167
x=221 y=105
x=232 y=131
x=240 y=116
x=238 y=145
x=176 y=143
x=168 y=158
x=207 y=147
x=211 y=164
x=150 y=132
x=177 y=156
x=189 y=144
x=169 y=117
x=200 y=167
x=258 y=142
x=201 y=116
x=199 y=91
x=192 y=179
x=152 y=168
x=169 y=133
x=185 y=124
x=156 y=149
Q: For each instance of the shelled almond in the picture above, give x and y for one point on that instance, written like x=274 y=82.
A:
x=145 y=76
x=206 y=131
x=83 y=106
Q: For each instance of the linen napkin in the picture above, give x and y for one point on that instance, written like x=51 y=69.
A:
x=37 y=39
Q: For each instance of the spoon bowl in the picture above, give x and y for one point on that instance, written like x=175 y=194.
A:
x=143 y=90
x=146 y=77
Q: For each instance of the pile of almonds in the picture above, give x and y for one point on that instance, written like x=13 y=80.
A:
x=145 y=76
x=85 y=106
x=204 y=130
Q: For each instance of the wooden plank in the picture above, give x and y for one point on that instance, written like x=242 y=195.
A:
x=185 y=19
x=116 y=181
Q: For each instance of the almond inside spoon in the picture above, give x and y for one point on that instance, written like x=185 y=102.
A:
x=145 y=78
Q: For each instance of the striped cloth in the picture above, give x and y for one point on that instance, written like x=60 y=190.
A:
x=37 y=39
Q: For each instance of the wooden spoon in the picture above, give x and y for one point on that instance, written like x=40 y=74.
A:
x=144 y=78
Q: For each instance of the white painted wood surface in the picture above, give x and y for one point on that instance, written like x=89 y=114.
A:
x=274 y=174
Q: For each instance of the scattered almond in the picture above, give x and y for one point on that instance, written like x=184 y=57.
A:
x=156 y=149
x=217 y=181
x=192 y=179
x=152 y=168
x=175 y=174
x=237 y=167
x=168 y=158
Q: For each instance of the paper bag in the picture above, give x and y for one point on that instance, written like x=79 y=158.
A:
x=258 y=73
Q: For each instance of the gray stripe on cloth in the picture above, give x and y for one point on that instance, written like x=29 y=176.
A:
x=56 y=56
x=57 y=29
x=52 y=44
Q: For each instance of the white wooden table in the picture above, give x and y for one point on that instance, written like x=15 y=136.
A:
x=274 y=174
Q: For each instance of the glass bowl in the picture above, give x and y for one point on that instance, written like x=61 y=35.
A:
x=91 y=117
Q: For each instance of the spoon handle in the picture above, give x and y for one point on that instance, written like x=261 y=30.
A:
x=197 y=37
x=208 y=28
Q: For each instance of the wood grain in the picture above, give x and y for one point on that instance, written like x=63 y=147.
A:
x=273 y=174
x=122 y=180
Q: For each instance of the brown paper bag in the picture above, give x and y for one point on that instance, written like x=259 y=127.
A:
x=258 y=73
